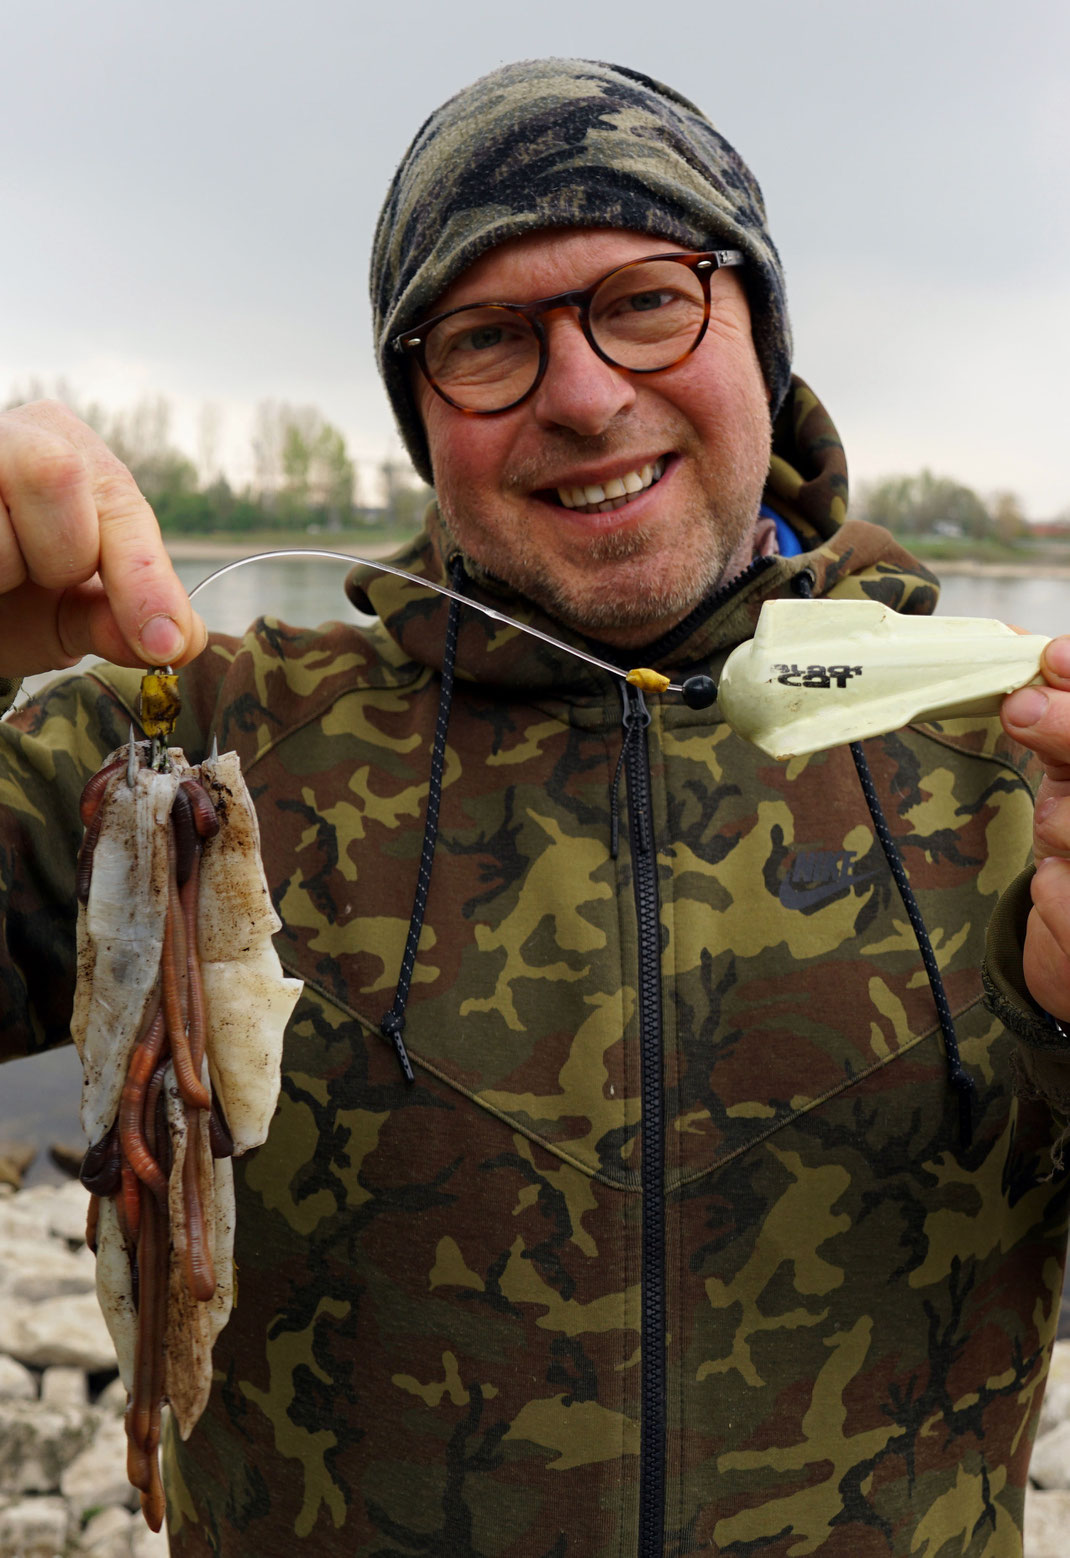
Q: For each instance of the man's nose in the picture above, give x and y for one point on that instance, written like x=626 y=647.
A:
x=579 y=391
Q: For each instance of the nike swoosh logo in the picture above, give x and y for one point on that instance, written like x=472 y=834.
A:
x=793 y=897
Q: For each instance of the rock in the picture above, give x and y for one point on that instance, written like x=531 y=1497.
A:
x=15 y=1159
x=148 y=1544
x=1050 y=1465
x=113 y=1397
x=62 y=1386
x=38 y=1442
x=34 y=1528
x=38 y=1268
x=16 y=1381
x=62 y=1209
x=67 y=1330
x=97 y=1475
x=108 y=1534
x=67 y=1157
x=1056 y=1408
x=1047 y=1516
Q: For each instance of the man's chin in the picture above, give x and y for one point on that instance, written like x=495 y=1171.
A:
x=625 y=611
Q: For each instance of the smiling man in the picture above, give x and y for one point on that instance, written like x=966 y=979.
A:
x=614 y=500
x=649 y=1175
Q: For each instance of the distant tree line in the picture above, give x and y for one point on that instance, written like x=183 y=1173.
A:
x=304 y=477
x=937 y=506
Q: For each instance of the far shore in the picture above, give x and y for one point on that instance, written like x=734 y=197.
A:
x=1008 y=570
x=182 y=549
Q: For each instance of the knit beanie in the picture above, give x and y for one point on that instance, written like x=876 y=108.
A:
x=563 y=143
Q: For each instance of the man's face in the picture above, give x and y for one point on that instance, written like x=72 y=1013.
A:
x=629 y=574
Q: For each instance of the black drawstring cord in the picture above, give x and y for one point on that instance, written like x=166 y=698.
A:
x=957 y=1075
x=393 y=1021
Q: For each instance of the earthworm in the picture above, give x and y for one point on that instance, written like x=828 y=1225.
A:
x=132 y=1103
x=146 y=1398
x=175 y=958
x=131 y=1197
x=100 y=1166
x=83 y=870
x=194 y=984
x=187 y=839
x=146 y=1345
x=156 y=1137
x=219 y=1138
x=197 y=1261
x=205 y=818
x=194 y=819
x=153 y=1504
x=93 y=794
x=197 y=1258
x=91 y=811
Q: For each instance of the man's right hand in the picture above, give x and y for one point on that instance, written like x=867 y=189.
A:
x=83 y=568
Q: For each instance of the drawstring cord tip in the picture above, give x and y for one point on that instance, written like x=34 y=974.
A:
x=391 y=1025
x=962 y=1082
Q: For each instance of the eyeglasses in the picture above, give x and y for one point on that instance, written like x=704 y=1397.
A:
x=645 y=316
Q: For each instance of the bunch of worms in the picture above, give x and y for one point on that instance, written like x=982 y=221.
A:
x=132 y=1162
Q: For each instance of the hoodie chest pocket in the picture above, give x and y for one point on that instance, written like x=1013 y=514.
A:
x=794 y=967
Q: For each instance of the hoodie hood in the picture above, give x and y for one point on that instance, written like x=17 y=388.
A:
x=807 y=486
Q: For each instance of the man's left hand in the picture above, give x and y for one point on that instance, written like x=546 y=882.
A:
x=1039 y=718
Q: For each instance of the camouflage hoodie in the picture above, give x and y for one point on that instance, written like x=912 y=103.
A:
x=674 y=1244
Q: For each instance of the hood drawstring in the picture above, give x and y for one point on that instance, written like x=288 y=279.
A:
x=393 y=1022
x=958 y=1077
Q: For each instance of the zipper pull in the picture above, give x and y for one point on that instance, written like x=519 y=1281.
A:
x=635 y=717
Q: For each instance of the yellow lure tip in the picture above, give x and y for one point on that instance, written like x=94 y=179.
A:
x=647 y=680
x=160 y=703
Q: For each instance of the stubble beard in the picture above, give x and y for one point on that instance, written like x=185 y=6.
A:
x=639 y=595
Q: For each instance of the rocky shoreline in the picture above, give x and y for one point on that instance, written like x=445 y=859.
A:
x=63 y=1487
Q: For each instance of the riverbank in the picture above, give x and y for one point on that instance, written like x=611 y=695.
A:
x=232 y=548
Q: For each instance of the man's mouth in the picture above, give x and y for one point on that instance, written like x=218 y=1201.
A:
x=614 y=494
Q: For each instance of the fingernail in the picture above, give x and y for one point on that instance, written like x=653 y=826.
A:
x=1057 y=655
x=1026 y=706
x=161 y=640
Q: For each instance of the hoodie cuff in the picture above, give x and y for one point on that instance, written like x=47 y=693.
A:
x=1006 y=993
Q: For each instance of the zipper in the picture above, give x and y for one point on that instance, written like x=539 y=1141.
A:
x=636 y=718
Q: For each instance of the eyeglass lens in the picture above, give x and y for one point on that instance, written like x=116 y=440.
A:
x=643 y=317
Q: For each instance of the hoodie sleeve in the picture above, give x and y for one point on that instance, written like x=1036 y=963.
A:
x=1043 y=1043
x=48 y=749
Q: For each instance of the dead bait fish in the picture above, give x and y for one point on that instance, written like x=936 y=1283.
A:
x=178 y=1018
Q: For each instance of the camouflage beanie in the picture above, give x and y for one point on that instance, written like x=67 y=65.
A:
x=563 y=143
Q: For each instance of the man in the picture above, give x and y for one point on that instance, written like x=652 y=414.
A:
x=708 y=1221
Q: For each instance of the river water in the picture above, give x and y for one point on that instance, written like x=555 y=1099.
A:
x=38 y=1096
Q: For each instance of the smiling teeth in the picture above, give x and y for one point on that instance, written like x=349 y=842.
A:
x=612 y=494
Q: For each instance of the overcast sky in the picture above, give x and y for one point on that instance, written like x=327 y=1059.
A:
x=188 y=191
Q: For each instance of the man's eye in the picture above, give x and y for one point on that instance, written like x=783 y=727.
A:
x=482 y=338
x=643 y=302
